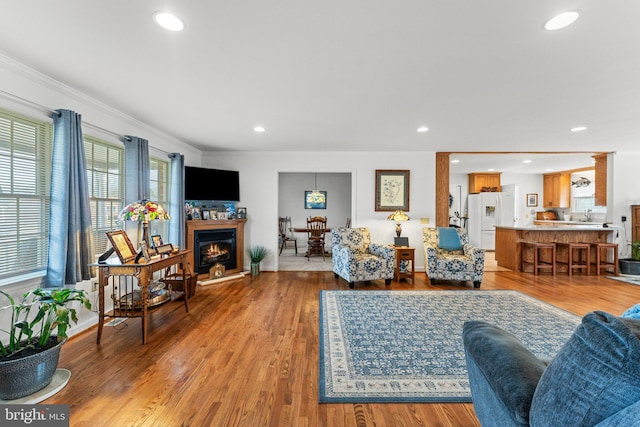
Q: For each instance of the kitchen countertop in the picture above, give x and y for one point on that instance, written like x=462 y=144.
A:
x=562 y=225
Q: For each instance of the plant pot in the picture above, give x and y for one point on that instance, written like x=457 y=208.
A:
x=629 y=266
x=25 y=376
x=255 y=268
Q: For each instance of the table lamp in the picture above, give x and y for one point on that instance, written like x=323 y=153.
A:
x=398 y=216
x=143 y=211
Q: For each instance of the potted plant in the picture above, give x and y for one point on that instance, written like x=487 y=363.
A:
x=256 y=254
x=29 y=351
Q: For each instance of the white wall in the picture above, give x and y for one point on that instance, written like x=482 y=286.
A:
x=259 y=191
x=623 y=192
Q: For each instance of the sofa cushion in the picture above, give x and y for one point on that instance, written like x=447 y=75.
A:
x=449 y=240
x=595 y=375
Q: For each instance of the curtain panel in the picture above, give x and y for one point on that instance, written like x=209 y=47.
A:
x=137 y=171
x=71 y=247
x=176 y=197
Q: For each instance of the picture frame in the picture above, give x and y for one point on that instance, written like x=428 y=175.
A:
x=241 y=213
x=392 y=190
x=144 y=249
x=156 y=240
x=164 y=249
x=122 y=245
x=532 y=199
x=206 y=214
x=195 y=213
x=315 y=199
x=222 y=215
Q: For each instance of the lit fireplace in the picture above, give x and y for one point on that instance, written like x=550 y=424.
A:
x=214 y=246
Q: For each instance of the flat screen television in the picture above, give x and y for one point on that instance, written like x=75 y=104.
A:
x=211 y=184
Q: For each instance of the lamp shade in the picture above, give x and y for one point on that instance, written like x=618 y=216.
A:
x=398 y=216
x=143 y=211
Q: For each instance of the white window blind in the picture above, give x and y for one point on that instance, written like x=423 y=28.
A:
x=105 y=173
x=159 y=192
x=25 y=173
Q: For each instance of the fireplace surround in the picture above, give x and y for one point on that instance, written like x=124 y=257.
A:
x=221 y=231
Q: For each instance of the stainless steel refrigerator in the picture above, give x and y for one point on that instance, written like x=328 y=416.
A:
x=486 y=210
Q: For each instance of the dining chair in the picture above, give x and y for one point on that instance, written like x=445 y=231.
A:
x=316 y=230
x=284 y=237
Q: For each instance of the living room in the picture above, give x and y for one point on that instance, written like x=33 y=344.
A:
x=113 y=102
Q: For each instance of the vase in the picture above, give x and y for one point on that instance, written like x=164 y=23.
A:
x=255 y=268
x=24 y=376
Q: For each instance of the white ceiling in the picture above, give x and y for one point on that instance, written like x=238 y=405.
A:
x=349 y=75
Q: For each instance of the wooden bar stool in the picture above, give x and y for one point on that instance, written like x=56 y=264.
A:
x=603 y=262
x=582 y=261
x=538 y=251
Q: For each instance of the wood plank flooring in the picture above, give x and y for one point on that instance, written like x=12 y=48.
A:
x=247 y=355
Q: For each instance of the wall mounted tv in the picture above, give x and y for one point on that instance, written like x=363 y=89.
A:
x=211 y=184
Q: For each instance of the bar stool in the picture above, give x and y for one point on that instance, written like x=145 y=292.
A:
x=603 y=262
x=538 y=263
x=579 y=262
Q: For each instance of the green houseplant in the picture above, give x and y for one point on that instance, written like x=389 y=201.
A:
x=256 y=255
x=29 y=340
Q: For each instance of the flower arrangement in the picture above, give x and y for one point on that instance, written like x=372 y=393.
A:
x=143 y=210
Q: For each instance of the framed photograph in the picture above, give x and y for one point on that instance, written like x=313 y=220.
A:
x=145 y=250
x=315 y=200
x=241 y=213
x=156 y=240
x=206 y=214
x=392 y=190
x=195 y=213
x=222 y=215
x=122 y=245
x=532 y=199
x=164 y=249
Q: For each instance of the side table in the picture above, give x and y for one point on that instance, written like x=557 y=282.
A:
x=406 y=254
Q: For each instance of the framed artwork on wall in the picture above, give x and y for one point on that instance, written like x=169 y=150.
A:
x=392 y=190
x=532 y=199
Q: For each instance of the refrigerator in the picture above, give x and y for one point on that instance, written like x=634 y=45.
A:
x=486 y=210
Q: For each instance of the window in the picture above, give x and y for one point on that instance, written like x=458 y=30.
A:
x=25 y=172
x=105 y=166
x=159 y=192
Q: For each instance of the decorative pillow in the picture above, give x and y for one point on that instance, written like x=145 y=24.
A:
x=593 y=376
x=632 y=312
x=449 y=239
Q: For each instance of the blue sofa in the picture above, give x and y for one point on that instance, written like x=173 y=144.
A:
x=594 y=380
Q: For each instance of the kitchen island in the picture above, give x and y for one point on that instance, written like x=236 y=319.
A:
x=509 y=239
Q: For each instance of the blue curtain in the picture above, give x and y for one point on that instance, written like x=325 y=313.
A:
x=176 y=197
x=137 y=175
x=71 y=247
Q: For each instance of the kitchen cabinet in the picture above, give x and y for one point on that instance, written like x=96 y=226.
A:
x=601 y=179
x=557 y=190
x=635 y=222
x=484 y=181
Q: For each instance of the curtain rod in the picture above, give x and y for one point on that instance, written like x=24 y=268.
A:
x=52 y=111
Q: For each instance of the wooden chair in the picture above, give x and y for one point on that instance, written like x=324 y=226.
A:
x=316 y=230
x=284 y=237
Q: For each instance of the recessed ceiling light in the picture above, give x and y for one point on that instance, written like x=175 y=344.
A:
x=563 y=20
x=578 y=129
x=548 y=170
x=259 y=129
x=455 y=161
x=491 y=169
x=526 y=161
x=168 y=21
x=423 y=129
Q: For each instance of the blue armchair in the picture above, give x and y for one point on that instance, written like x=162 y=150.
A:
x=356 y=259
x=448 y=255
x=594 y=380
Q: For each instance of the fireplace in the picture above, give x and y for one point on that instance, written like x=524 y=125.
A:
x=213 y=247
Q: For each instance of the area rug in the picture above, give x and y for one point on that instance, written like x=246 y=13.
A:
x=628 y=278
x=406 y=346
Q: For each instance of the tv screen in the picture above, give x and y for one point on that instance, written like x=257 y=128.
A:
x=211 y=184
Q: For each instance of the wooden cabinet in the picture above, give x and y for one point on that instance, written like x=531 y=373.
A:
x=484 y=181
x=557 y=190
x=635 y=222
x=601 y=179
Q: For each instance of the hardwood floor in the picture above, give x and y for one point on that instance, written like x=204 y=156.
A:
x=247 y=355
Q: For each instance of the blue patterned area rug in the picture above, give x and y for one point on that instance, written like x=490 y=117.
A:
x=406 y=346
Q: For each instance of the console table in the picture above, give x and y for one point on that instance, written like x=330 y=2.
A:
x=129 y=302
